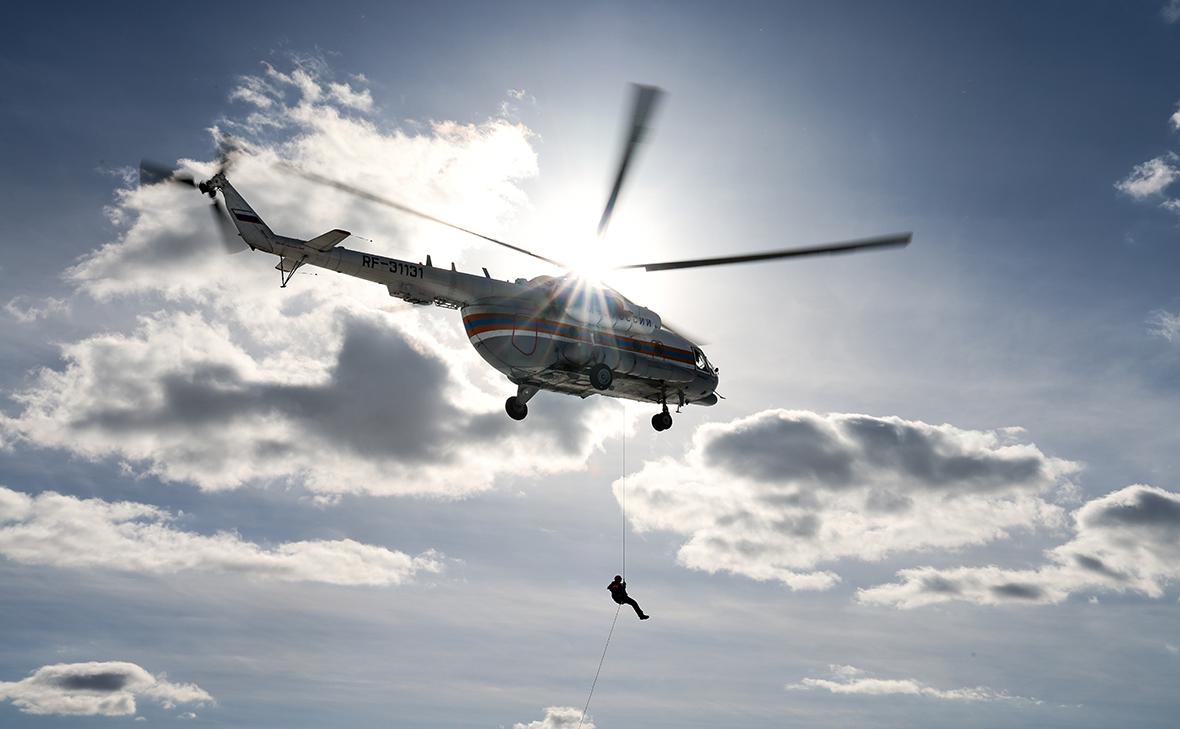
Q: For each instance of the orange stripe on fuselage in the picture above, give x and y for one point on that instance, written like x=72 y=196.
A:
x=484 y=323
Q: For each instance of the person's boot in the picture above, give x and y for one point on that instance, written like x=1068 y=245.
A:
x=644 y=617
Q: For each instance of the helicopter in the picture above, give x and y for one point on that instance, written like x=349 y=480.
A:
x=561 y=333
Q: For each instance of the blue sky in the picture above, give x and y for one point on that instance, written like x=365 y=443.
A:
x=942 y=490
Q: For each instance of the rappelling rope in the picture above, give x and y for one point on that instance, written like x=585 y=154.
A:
x=623 y=535
x=623 y=491
x=600 y=661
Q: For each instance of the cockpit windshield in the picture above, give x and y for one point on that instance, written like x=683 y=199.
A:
x=702 y=361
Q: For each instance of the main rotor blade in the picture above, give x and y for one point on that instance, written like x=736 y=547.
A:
x=327 y=181
x=152 y=172
x=885 y=241
x=641 y=111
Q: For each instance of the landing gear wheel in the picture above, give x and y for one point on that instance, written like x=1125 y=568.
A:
x=601 y=376
x=515 y=408
x=661 y=421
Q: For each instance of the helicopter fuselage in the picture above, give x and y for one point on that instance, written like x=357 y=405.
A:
x=550 y=333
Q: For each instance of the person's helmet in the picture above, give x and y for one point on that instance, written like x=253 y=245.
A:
x=618 y=578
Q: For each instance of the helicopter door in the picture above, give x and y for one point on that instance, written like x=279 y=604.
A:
x=524 y=339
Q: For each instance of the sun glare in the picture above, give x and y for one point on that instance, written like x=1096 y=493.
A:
x=588 y=259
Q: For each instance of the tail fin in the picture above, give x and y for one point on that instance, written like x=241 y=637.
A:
x=255 y=232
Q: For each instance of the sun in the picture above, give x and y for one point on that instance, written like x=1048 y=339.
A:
x=588 y=257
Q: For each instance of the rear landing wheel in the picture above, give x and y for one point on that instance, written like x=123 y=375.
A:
x=661 y=421
x=601 y=376
x=516 y=409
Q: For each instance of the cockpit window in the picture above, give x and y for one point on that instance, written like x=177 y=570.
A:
x=614 y=307
x=702 y=363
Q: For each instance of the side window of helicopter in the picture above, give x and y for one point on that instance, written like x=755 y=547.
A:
x=558 y=305
x=614 y=308
x=701 y=362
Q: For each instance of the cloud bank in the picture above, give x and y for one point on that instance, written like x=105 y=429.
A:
x=64 y=531
x=184 y=398
x=108 y=688
x=851 y=681
x=558 y=717
x=1126 y=541
x=221 y=379
x=774 y=495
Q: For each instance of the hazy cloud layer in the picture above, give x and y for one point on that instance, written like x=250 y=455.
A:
x=851 y=681
x=64 y=531
x=1171 y=11
x=224 y=379
x=108 y=688
x=558 y=717
x=776 y=494
x=1126 y=541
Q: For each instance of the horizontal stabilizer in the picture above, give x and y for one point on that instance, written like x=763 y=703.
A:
x=328 y=241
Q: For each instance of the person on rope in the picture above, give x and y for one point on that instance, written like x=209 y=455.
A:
x=618 y=593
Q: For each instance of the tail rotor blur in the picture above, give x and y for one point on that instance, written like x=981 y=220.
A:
x=154 y=173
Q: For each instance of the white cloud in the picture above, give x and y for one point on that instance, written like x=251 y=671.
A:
x=223 y=379
x=1126 y=541
x=1150 y=178
x=361 y=100
x=848 y=680
x=256 y=91
x=559 y=717
x=1164 y=324
x=64 y=531
x=108 y=688
x=27 y=311
x=775 y=495
x=469 y=173
x=310 y=79
x=188 y=397
x=303 y=78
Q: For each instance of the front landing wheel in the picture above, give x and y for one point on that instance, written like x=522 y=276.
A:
x=516 y=409
x=601 y=377
x=661 y=421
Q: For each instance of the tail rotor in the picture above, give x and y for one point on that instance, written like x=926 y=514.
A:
x=153 y=173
